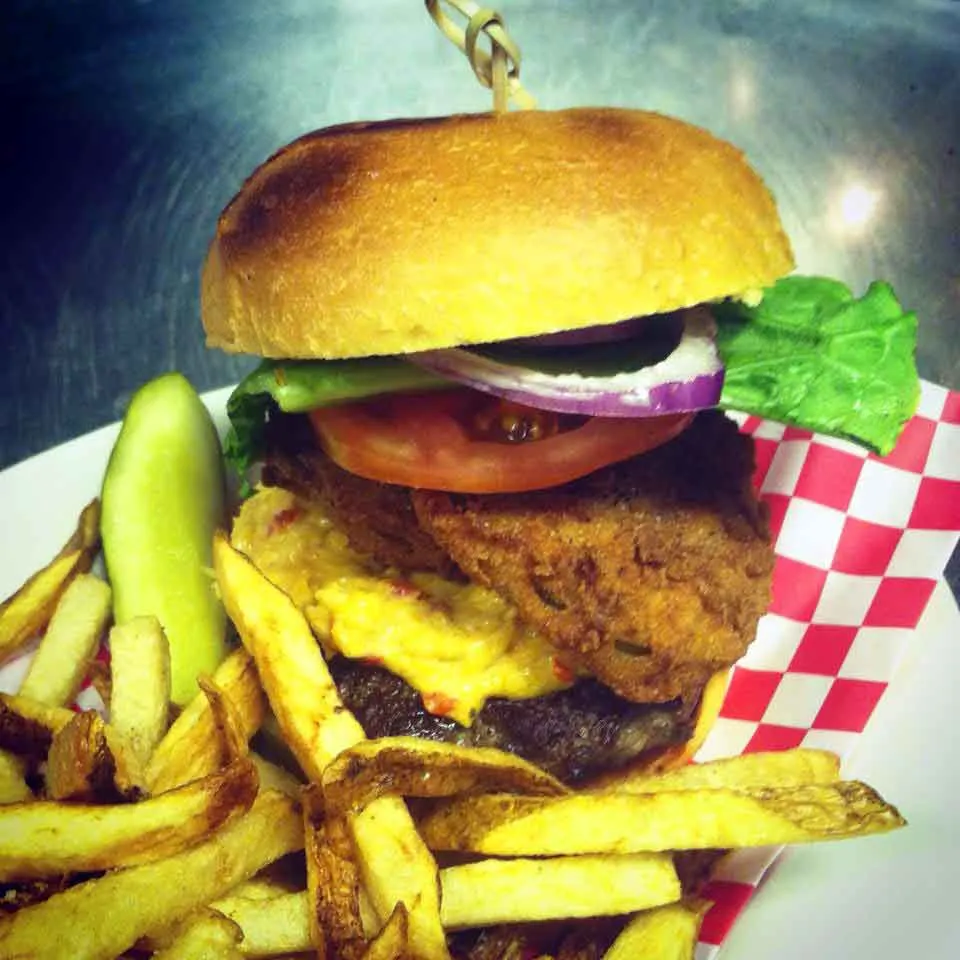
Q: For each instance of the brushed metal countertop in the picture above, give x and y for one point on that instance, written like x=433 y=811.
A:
x=127 y=127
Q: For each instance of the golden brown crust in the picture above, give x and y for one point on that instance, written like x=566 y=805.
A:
x=649 y=574
x=408 y=235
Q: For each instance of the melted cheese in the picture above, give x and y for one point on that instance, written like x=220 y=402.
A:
x=457 y=644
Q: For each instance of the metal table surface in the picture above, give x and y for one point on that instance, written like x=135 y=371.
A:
x=128 y=126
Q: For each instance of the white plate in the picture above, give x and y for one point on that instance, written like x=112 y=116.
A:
x=883 y=898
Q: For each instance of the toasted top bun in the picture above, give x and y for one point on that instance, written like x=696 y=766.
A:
x=383 y=238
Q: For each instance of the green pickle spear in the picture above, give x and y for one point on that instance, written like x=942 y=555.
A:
x=163 y=497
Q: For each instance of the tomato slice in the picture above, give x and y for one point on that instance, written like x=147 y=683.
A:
x=429 y=441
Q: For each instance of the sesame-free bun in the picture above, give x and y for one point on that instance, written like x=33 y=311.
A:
x=391 y=237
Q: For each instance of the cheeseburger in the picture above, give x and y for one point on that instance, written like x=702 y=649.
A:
x=496 y=472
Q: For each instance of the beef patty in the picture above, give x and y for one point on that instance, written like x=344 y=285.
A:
x=573 y=734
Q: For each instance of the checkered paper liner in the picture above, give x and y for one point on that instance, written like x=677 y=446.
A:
x=860 y=545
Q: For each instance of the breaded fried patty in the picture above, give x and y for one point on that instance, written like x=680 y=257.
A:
x=650 y=574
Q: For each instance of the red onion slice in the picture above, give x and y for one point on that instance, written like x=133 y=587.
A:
x=602 y=333
x=689 y=379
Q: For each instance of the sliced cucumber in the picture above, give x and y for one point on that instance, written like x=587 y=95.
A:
x=163 y=497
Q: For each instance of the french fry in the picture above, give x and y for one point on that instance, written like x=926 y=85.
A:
x=785 y=768
x=27 y=612
x=505 y=825
x=294 y=674
x=333 y=881
x=191 y=747
x=261 y=887
x=208 y=935
x=413 y=767
x=393 y=941
x=665 y=933
x=140 y=683
x=226 y=720
x=129 y=777
x=47 y=838
x=395 y=865
x=84 y=922
x=70 y=643
x=89 y=762
x=368 y=916
x=472 y=895
x=490 y=892
x=27 y=727
x=273 y=777
x=232 y=731
x=13 y=779
x=272 y=925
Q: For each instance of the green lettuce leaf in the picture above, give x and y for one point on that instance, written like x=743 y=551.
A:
x=812 y=355
x=296 y=386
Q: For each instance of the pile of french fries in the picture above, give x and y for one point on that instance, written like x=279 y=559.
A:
x=127 y=835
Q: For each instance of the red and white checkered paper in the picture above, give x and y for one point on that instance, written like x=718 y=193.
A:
x=861 y=543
